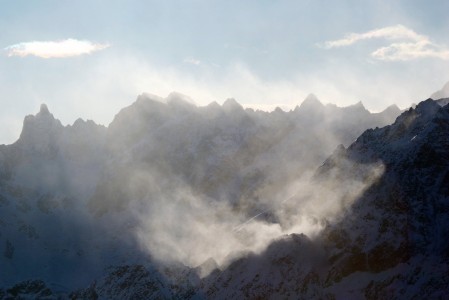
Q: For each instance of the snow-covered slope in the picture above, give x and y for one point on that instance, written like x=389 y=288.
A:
x=401 y=220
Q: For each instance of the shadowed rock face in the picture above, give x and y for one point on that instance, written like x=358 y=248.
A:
x=390 y=244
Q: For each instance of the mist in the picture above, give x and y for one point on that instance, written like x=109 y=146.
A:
x=169 y=182
x=224 y=150
x=183 y=227
x=219 y=181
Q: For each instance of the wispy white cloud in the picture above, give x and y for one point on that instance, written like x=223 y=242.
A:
x=410 y=45
x=409 y=51
x=54 y=49
x=192 y=61
x=398 y=32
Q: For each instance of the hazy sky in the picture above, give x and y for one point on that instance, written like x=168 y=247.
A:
x=91 y=58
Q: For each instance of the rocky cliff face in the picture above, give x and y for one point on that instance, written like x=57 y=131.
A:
x=399 y=222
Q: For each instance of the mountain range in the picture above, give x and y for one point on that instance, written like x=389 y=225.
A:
x=172 y=200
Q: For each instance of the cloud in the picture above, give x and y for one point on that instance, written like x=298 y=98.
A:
x=178 y=224
x=409 y=51
x=192 y=61
x=54 y=49
x=398 y=32
x=411 y=45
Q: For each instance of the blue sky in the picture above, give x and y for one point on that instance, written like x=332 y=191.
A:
x=95 y=57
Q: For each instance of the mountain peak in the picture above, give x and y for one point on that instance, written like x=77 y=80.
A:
x=147 y=96
x=40 y=130
x=44 y=109
x=44 y=115
x=391 y=112
x=231 y=105
x=427 y=107
x=175 y=98
x=278 y=110
x=311 y=103
x=311 y=100
x=359 y=104
x=359 y=107
x=443 y=93
x=213 y=105
x=392 y=108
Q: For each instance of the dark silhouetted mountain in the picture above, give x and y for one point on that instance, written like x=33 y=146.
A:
x=76 y=199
